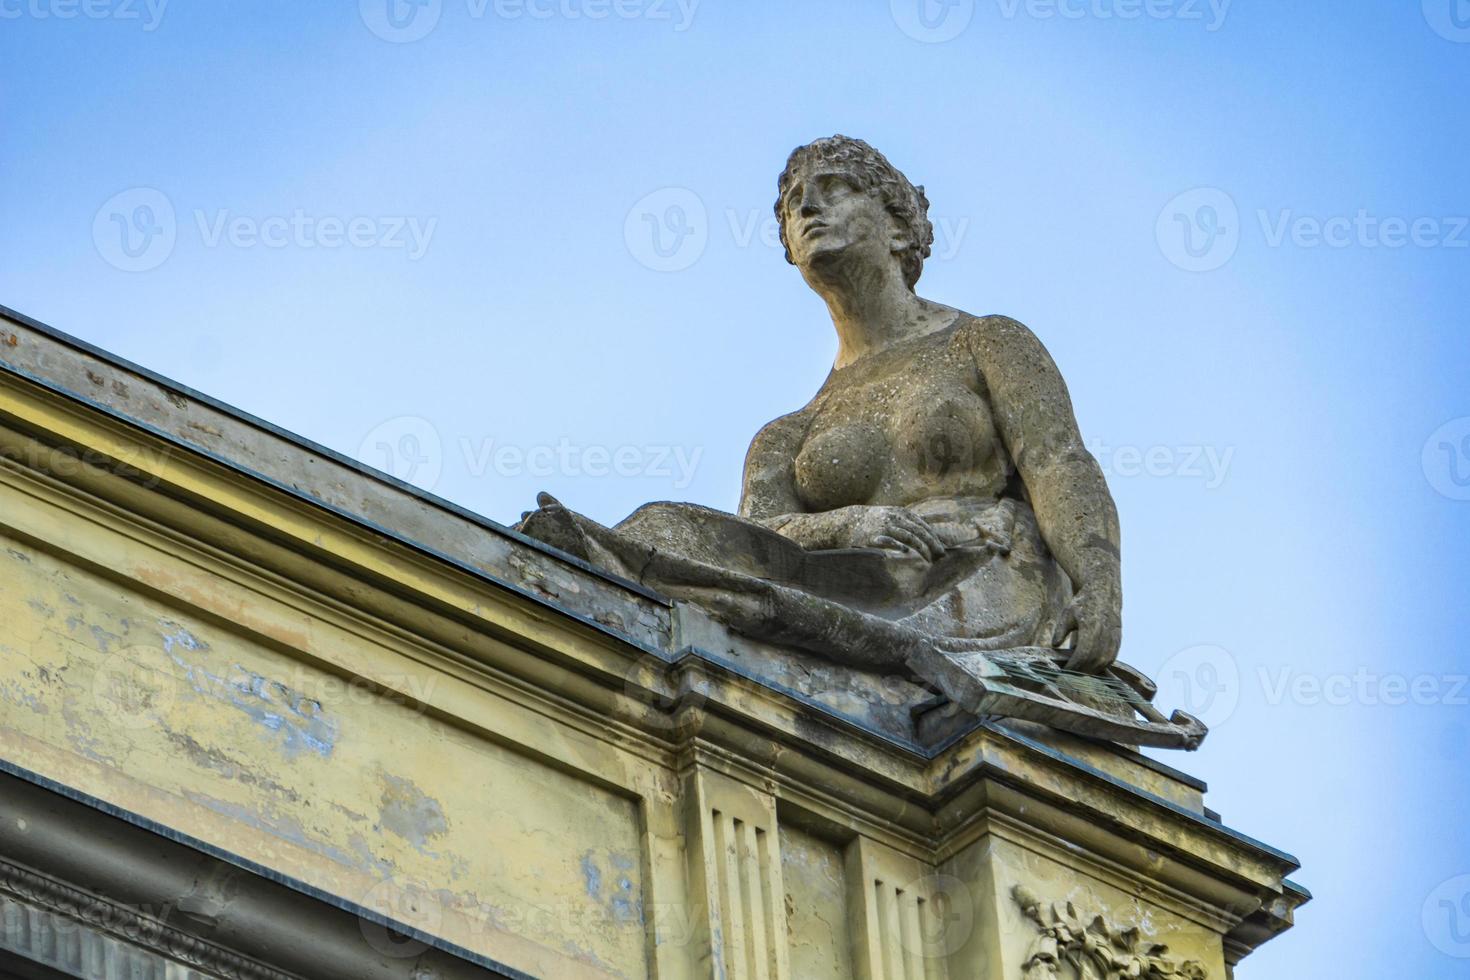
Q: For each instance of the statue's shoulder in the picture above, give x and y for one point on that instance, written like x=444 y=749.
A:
x=994 y=336
x=782 y=429
x=1010 y=356
x=994 y=328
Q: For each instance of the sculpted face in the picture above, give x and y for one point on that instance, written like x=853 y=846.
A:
x=828 y=216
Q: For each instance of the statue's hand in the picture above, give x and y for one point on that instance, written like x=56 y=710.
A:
x=896 y=529
x=1095 y=615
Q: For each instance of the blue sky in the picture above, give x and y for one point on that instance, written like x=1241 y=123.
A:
x=531 y=248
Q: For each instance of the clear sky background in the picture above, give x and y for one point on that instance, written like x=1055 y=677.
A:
x=499 y=247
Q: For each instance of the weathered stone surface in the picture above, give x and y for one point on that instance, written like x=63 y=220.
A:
x=512 y=781
x=930 y=509
x=1069 y=944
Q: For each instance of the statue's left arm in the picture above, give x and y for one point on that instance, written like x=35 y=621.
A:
x=1069 y=495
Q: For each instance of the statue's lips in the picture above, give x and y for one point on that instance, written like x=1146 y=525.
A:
x=813 y=230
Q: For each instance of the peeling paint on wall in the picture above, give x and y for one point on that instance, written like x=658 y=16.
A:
x=409 y=813
x=300 y=720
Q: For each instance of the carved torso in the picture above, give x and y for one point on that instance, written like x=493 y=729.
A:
x=905 y=425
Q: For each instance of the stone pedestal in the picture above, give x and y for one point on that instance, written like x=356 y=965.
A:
x=503 y=763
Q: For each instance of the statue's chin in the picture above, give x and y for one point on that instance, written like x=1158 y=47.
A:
x=825 y=261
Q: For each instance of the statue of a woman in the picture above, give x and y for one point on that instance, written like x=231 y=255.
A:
x=933 y=501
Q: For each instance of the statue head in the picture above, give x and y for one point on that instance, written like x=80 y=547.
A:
x=839 y=192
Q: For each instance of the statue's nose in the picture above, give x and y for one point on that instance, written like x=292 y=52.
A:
x=810 y=205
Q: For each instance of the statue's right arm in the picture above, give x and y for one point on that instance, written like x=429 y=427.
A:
x=768 y=494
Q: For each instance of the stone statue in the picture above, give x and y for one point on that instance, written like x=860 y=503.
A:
x=932 y=510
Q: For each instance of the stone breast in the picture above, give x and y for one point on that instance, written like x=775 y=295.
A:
x=841 y=465
x=905 y=425
x=936 y=438
x=944 y=433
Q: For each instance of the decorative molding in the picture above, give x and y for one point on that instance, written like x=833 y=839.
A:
x=108 y=920
x=752 y=926
x=1096 y=950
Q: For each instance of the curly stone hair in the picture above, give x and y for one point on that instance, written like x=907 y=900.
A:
x=870 y=170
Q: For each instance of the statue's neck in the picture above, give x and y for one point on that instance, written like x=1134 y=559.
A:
x=871 y=310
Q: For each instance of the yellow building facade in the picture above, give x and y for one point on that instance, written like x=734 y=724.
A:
x=265 y=712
